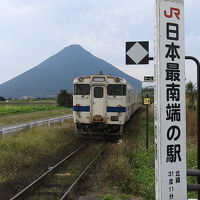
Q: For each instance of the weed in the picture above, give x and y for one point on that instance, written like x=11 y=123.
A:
x=110 y=197
x=20 y=151
x=118 y=171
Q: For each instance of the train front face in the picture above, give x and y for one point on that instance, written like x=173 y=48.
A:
x=99 y=105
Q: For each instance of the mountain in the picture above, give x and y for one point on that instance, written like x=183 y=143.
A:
x=58 y=72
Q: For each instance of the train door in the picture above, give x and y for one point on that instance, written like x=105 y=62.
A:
x=98 y=103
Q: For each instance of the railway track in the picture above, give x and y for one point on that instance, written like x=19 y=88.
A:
x=59 y=180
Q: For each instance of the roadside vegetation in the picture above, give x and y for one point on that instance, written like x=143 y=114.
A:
x=6 y=120
x=130 y=164
x=23 y=155
x=191 y=115
x=21 y=111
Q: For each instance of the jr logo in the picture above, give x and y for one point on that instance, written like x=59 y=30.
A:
x=173 y=11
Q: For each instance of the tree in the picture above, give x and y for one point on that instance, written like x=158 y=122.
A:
x=190 y=92
x=2 y=98
x=64 y=98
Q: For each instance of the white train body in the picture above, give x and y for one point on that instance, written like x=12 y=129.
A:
x=102 y=104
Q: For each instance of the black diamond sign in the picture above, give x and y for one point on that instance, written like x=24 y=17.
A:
x=137 y=53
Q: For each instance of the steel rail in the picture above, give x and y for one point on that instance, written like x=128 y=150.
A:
x=33 y=184
x=83 y=172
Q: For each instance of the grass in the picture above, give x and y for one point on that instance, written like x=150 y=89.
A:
x=142 y=160
x=14 y=109
x=20 y=151
x=18 y=118
x=129 y=168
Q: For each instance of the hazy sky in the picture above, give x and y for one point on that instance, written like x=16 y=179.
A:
x=33 y=30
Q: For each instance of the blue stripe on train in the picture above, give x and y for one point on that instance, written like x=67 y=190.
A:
x=109 y=109
x=116 y=109
x=81 y=108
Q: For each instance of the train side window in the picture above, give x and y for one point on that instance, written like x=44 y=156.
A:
x=81 y=89
x=98 y=92
x=116 y=89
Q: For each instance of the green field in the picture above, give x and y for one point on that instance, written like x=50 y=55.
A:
x=22 y=111
x=13 y=109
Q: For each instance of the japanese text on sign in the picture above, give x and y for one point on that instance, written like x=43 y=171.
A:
x=170 y=108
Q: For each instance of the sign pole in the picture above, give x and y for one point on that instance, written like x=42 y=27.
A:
x=147 y=122
x=170 y=119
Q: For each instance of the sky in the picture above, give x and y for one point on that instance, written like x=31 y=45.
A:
x=32 y=31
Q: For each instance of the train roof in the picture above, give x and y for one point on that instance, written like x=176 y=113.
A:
x=99 y=75
x=89 y=78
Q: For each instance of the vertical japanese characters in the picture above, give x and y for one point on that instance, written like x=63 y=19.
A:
x=173 y=98
x=170 y=86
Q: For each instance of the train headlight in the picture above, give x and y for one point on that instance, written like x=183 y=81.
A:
x=114 y=118
x=77 y=105
x=117 y=80
x=81 y=79
x=119 y=106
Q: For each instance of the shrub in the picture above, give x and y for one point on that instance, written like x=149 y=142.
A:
x=64 y=99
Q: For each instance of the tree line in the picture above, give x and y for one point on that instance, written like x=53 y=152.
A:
x=63 y=98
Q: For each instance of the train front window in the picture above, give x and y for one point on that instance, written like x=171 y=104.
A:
x=81 y=89
x=98 y=92
x=116 y=89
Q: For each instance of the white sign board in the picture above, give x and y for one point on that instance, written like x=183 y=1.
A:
x=170 y=130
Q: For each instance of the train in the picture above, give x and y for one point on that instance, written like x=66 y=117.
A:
x=102 y=104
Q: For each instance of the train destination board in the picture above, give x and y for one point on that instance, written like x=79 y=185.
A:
x=137 y=53
x=170 y=130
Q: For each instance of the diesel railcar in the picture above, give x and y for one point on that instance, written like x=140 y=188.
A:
x=102 y=104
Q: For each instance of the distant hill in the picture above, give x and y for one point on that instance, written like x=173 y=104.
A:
x=58 y=72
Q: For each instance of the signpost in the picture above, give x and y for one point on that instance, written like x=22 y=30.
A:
x=146 y=102
x=137 y=52
x=170 y=130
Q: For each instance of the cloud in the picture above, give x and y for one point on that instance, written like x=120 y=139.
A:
x=31 y=31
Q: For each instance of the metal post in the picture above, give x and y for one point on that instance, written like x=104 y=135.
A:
x=198 y=113
x=147 y=122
